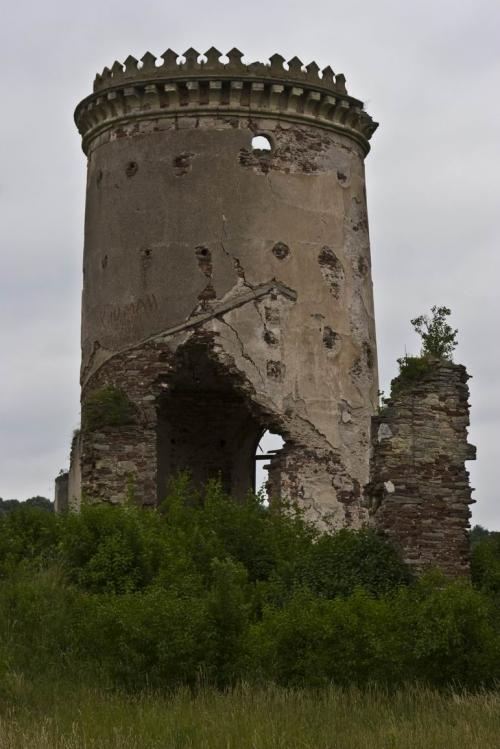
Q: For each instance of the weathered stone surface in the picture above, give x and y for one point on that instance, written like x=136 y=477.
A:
x=419 y=491
x=227 y=290
x=61 y=492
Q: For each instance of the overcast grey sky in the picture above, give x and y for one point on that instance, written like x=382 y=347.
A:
x=429 y=72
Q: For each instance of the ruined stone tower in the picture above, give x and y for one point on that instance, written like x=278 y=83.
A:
x=227 y=288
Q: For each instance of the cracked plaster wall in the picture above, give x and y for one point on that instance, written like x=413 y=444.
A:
x=181 y=218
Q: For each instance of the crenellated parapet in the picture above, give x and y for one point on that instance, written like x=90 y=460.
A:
x=198 y=85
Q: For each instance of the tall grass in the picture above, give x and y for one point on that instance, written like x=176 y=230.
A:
x=249 y=718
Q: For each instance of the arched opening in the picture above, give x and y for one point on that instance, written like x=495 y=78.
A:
x=261 y=144
x=269 y=444
x=205 y=425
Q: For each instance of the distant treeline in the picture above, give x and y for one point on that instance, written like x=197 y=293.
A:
x=478 y=533
x=7 y=505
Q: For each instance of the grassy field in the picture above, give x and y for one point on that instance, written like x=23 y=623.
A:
x=35 y=717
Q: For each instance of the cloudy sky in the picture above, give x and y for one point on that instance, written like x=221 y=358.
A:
x=429 y=72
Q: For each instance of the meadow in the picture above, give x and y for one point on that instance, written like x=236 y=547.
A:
x=251 y=718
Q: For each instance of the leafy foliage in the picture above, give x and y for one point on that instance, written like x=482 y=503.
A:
x=485 y=563
x=411 y=369
x=432 y=632
x=438 y=343
x=206 y=589
x=438 y=337
x=7 y=505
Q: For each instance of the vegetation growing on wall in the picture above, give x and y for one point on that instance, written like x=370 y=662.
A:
x=438 y=341
x=438 y=337
x=108 y=406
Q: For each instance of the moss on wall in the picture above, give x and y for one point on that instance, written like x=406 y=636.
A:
x=108 y=406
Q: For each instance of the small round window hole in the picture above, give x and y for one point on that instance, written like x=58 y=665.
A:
x=261 y=145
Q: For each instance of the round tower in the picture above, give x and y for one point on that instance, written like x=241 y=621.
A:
x=227 y=286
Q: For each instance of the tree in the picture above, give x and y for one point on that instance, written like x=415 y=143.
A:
x=438 y=337
x=41 y=502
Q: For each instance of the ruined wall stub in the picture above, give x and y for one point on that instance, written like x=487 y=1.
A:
x=61 y=492
x=228 y=290
x=419 y=492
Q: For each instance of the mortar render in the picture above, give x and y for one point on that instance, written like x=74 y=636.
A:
x=228 y=290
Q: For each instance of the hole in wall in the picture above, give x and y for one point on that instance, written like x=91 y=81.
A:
x=261 y=145
x=281 y=250
x=131 y=168
x=183 y=163
x=270 y=338
x=329 y=337
x=269 y=444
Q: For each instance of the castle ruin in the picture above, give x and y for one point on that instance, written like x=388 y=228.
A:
x=227 y=291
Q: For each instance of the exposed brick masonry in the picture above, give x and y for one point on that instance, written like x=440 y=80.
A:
x=419 y=492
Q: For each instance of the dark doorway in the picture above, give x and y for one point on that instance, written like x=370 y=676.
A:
x=205 y=426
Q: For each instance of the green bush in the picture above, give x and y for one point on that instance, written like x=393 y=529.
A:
x=337 y=564
x=150 y=639
x=110 y=550
x=411 y=369
x=27 y=535
x=432 y=632
x=208 y=589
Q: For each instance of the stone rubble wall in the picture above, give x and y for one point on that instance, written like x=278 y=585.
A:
x=419 y=492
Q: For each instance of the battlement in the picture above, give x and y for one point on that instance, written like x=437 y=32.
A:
x=200 y=84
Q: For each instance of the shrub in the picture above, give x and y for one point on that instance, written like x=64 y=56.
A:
x=339 y=563
x=208 y=588
x=438 y=337
x=153 y=638
x=411 y=369
x=432 y=632
x=27 y=535
x=110 y=549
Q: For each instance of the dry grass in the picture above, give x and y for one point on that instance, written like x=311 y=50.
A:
x=35 y=717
